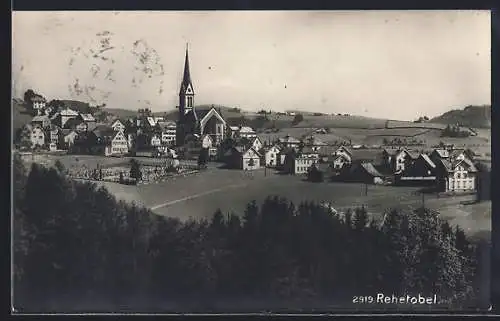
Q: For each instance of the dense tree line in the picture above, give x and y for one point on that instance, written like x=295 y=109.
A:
x=75 y=246
x=454 y=131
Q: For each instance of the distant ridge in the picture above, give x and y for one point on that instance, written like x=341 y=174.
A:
x=470 y=116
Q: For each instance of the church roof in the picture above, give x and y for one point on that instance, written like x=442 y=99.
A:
x=186 y=80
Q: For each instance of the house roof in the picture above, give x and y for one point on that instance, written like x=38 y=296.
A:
x=313 y=140
x=234 y=128
x=40 y=118
x=289 y=139
x=87 y=117
x=365 y=154
x=37 y=98
x=308 y=150
x=413 y=154
x=443 y=153
x=347 y=150
x=73 y=122
x=427 y=159
x=246 y=129
x=456 y=152
x=104 y=131
x=370 y=169
x=68 y=112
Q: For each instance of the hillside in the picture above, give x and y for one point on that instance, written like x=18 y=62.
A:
x=470 y=116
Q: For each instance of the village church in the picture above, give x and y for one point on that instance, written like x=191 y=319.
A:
x=195 y=124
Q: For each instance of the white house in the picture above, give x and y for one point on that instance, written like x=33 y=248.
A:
x=241 y=158
x=168 y=134
x=117 y=146
x=271 y=156
x=256 y=143
x=303 y=161
x=37 y=137
x=340 y=160
x=118 y=125
x=38 y=103
x=247 y=132
x=155 y=140
x=457 y=175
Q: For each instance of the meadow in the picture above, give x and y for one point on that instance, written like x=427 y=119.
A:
x=201 y=195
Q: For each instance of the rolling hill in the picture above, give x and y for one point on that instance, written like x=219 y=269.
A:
x=470 y=116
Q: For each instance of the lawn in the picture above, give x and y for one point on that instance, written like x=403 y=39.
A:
x=199 y=196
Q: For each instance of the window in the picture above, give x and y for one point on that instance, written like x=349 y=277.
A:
x=190 y=101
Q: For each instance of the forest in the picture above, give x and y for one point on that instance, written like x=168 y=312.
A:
x=78 y=249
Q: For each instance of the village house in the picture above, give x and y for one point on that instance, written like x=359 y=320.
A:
x=76 y=124
x=168 y=133
x=438 y=154
x=42 y=121
x=339 y=161
x=118 y=145
x=423 y=171
x=289 y=141
x=396 y=160
x=64 y=115
x=37 y=137
x=38 y=104
x=362 y=172
x=238 y=157
x=69 y=137
x=314 y=143
x=56 y=136
x=233 y=131
x=271 y=156
x=155 y=140
x=346 y=152
x=118 y=125
x=299 y=163
x=89 y=120
x=246 y=132
x=457 y=175
x=256 y=143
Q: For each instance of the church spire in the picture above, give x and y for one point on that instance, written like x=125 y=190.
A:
x=186 y=80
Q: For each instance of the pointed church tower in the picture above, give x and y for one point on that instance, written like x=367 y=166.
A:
x=186 y=93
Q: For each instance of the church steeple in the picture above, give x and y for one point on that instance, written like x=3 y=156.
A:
x=186 y=93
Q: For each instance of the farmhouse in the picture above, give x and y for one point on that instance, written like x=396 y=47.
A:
x=239 y=157
x=271 y=156
x=396 y=160
x=41 y=121
x=37 y=137
x=421 y=172
x=456 y=175
x=363 y=172
x=196 y=121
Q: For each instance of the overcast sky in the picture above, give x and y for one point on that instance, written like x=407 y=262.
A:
x=391 y=64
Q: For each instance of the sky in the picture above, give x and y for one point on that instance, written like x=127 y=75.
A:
x=387 y=64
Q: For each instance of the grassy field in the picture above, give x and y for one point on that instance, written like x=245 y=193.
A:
x=199 y=196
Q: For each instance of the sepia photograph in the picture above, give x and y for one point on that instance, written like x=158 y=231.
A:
x=222 y=162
